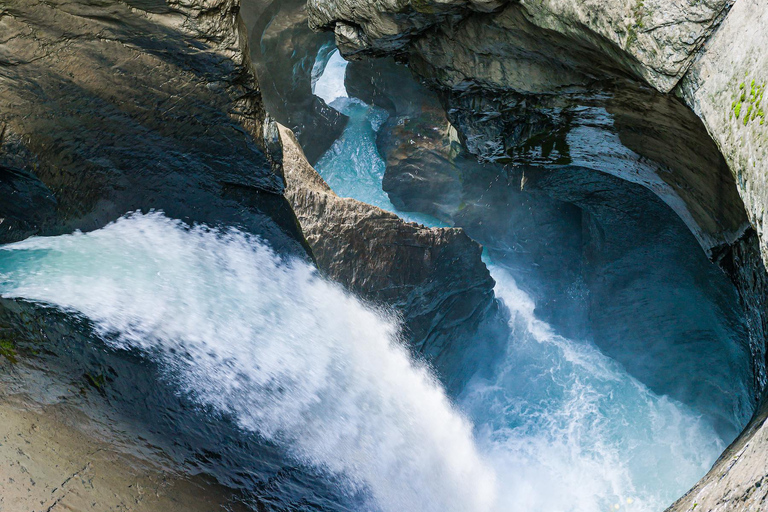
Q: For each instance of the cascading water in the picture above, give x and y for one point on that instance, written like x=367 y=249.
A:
x=352 y=167
x=285 y=353
x=300 y=362
x=565 y=427
x=558 y=426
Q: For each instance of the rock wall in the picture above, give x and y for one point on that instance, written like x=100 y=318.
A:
x=654 y=39
x=432 y=277
x=668 y=95
x=737 y=482
x=110 y=107
x=284 y=50
x=523 y=88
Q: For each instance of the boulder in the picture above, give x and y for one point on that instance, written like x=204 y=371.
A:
x=432 y=278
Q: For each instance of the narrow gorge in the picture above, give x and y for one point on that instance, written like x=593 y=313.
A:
x=385 y=256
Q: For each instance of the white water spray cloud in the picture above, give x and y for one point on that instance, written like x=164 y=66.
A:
x=288 y=354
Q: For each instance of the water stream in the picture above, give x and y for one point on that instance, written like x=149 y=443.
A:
x=557 y=427
x=566 y=428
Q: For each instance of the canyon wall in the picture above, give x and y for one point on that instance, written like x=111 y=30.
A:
x=667 y=95
x=111 y=107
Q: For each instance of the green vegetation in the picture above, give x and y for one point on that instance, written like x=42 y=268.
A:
x=97 y=381
x=8 y=351
x=638 y=13
x=421 y=6
x=749 y=99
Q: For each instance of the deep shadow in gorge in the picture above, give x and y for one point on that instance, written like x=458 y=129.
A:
x=605 y=258
x=612 y=218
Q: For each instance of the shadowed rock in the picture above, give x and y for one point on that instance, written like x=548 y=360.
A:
x=432 y=277
x=284 y=50
x=116 y=109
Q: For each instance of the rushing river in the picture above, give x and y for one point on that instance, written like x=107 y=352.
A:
x=565 y=427
x=558 y=426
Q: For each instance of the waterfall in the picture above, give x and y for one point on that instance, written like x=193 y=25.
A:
x=265 y=340
x=565 y=428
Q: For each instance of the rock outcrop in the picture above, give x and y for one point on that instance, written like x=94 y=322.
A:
x=668 y=95
x=56 y=457
x=284 y=51
x=433 y=278
x=121 y=106
x=654 y=39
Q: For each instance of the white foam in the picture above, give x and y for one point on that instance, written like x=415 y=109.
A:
x=288 y=354
x=568 y=430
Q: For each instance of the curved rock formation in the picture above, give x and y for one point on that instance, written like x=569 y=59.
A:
x=609 y=86
x=432 y=277
x=523 y=88
x=283 y=50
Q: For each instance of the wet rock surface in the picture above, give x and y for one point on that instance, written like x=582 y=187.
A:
x=116 y=107
x=27 y=204
x=56 y=457
x=432 y=277
x=532 y=83
x=284 y=50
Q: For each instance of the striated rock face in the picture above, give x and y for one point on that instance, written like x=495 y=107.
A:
x=284 y=50
x=655 y=39
x=725 y=87
x=115 y=106
x=432 y=277
x=668 y=95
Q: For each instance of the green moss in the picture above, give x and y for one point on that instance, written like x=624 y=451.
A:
x=8 y=351
x=751 y=98
x=423 y=6
x=638 y=12
x=96 y=381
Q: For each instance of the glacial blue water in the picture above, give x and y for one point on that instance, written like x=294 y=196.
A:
x=557 y=427
x=565 y=427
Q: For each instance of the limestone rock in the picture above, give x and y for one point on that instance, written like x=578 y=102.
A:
x=656 y=39
x=725 y=87
x=117 y=106
x=432 y=277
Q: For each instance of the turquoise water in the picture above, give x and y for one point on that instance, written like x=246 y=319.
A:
x=555 y=427
x=564 y=427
